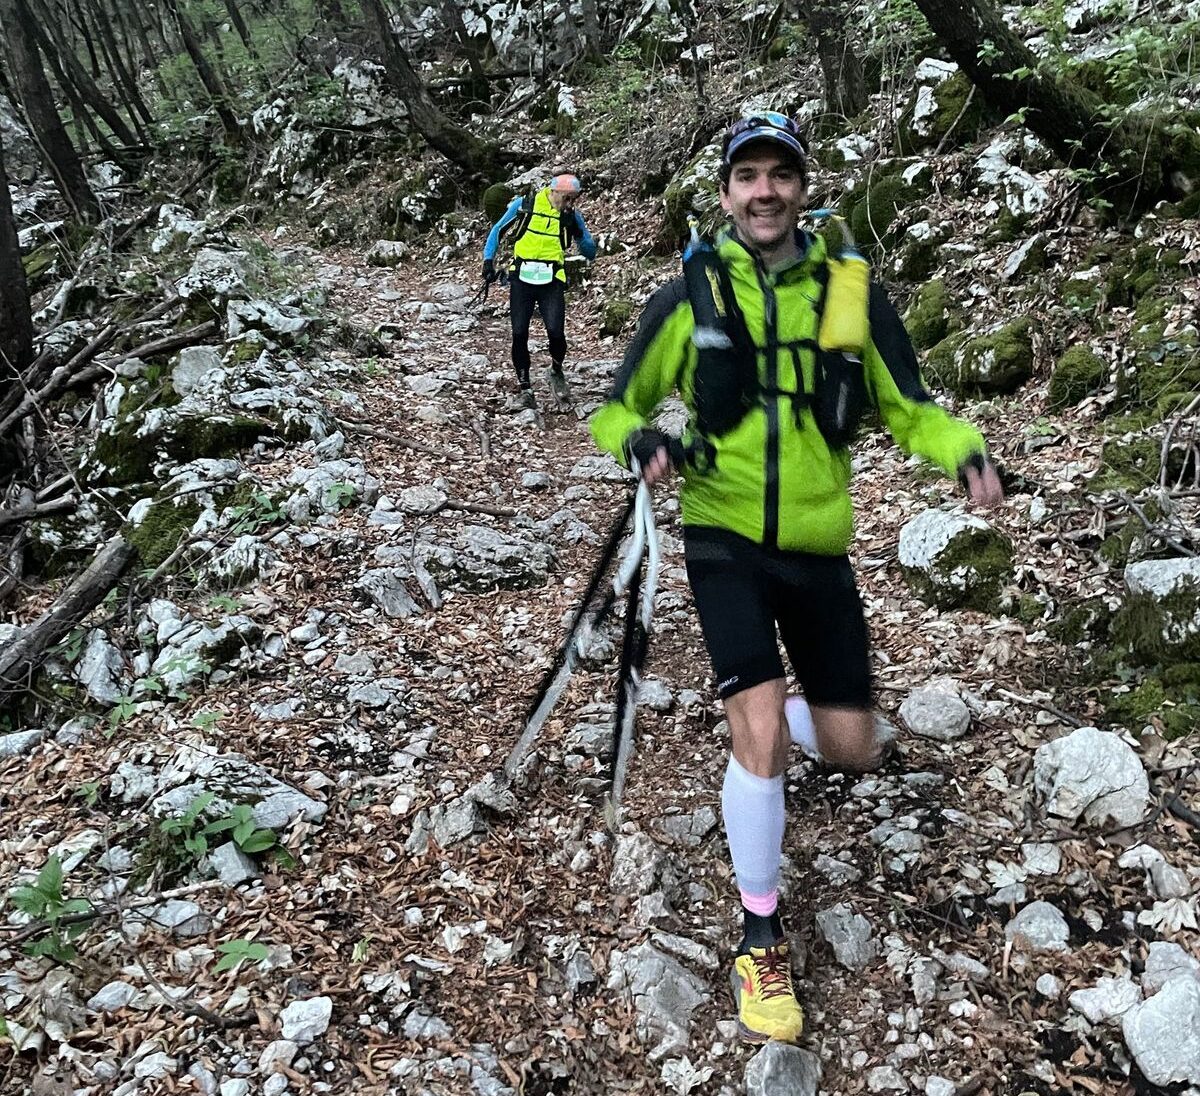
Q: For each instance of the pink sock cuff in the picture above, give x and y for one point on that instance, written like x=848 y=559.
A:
x=761 y=905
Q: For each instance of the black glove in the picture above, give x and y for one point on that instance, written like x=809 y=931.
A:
x=977 y=461
x=489 y=271
x=643 y=444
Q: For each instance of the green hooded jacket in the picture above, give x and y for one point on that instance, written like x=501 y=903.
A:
x=775 y=479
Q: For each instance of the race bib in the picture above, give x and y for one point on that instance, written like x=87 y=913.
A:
x=536 y=273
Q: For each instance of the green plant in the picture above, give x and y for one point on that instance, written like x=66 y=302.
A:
x=236 y=952
x=45 y=901
x=187 y=835
x=89 y=792
x=260 y=510
x=224 y=603
x=340 y=494
x=205 y=721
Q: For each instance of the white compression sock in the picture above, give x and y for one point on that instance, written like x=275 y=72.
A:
x=800 y=725
x=752 y=807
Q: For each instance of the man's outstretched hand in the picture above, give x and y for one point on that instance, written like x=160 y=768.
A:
x=982 y=482
x=651 y=450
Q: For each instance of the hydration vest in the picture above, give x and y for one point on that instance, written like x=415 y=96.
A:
x=727 y=381
x=543 y=234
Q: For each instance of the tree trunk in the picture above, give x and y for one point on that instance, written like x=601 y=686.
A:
x=16 y=327
x=208 y=76
x=331 y=12
x=453 y=142
x=1137 y=162
x=59 y=53
x=845 y=85
x=239 y=24
x=22 y=659
x=34 y=88
x=592 y=36
x=454 y=20
x=122 y=78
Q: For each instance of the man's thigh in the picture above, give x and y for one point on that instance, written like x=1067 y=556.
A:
x=816 y=603
x=520 y=305
x=734 y=609
x=552 y=304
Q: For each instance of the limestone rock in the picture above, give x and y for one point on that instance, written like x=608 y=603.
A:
x=385 y=587
x=849 y=934
x=1106 y=1001
x=100 y=667
x=665 y=994
x=1040 y=927
x=1094 y=774
x=782 y=1068
x=954 y=559
x=1166 y=962
x=304 y=1021
x=1161 y=1033
x=932 y=711
x=1165 y=593
x=637 y=863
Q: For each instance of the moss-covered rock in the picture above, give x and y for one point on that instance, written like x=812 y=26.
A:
x=617 y=311
x=1159 y=621
x=1077 y=373
x=1082 y=622
x=1138 y=271
x=936 y=108
x=1127 y=464
x=955 y=560
x=694 y=190
x=917 y=255
x=931 y=315
x=162 y=528
x=496 y=199
x=874 y=215
x=127 y=450
x=997 y=362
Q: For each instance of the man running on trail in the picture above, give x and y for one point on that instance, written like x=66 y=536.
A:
x=547 y=224
x=766 y=510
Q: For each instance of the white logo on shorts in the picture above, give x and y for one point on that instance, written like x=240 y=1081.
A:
x=727 y=682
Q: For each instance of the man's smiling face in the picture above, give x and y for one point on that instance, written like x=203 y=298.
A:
x=764 y=196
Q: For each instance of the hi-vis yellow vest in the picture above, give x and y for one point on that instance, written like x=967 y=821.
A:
x=542 y=235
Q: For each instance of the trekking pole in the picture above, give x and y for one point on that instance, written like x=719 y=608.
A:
x=555 y=678
x=639 y=609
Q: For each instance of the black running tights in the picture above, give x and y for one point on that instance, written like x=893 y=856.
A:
x=551 y=303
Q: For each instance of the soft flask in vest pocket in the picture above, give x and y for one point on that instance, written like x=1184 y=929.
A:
x=841 y=391
x=844 y=325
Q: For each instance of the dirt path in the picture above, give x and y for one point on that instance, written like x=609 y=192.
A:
x=484 y=966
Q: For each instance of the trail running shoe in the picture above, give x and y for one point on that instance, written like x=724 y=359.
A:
x=559 y=386
x=766 y=999
x=521 y=400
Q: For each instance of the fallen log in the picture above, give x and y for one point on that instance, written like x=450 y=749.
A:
x=21 y=660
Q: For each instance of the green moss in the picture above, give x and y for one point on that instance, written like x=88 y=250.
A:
x=951 y=96
x=875 y=212
x=1138 y=271
x=1143 y=624
x=1081 y=294
x=1077 y=373
x=1086 y=621
x=121 y=455
x=998 y=362
x=40 y=262
x=1133 y=708
x=1128 y=464
x=496 y=199
x=617 y=311
x=930 y=316
x=1175 y=706
x=1181 y=675
x=164 y=526
x=983 y=557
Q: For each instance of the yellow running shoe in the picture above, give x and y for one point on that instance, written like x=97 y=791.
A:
x=765 y=997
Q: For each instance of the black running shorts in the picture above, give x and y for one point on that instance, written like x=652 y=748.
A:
x=743 y=591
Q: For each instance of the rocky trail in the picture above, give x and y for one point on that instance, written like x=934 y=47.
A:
x=989 y=914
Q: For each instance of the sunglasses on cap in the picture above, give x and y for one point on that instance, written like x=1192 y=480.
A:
x=767 y=125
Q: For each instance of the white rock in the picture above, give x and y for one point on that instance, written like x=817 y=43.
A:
x=1162 y=1033
x=230 y=865
x=99 y=669
x=933 y=712
x=156 y=1065
x=886 y=1079
x=849 y=934
x=780 y=1069
x=182 y=917
x=1168 y=881
x=1094 y=774
x=1040 y=926
x=283 y=1051
x=1049 y=986
x=939 y=1086
x=112 y=997
x=637 y=862
x=19 y=743
x=1166 y=962
x=664 y=992
x=303 y=1021
x=1177 y=580
x=235 y=1086
x=194 y=363
x=1108 y=1000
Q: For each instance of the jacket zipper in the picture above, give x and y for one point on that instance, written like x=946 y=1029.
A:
x=771 y=486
